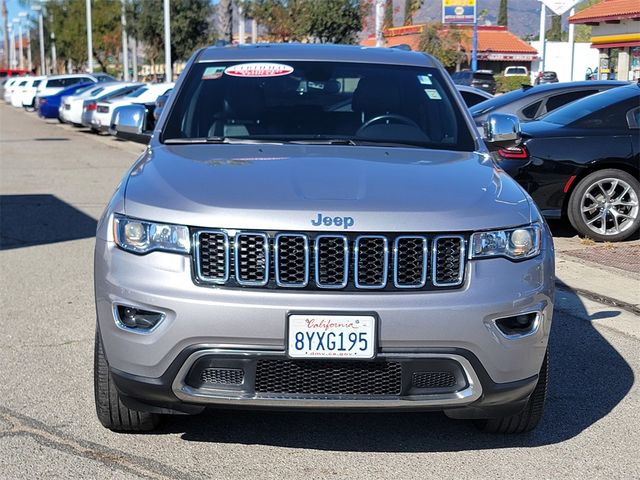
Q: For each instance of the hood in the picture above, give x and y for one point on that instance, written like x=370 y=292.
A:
x=287 y=187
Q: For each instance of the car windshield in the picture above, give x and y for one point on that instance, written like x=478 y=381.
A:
x=138 y=92
x=497 y=101
x=318 y=102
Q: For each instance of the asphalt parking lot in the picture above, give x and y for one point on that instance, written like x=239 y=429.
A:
x=54 y=182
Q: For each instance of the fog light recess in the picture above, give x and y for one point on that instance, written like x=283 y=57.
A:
x=520 y=325
x=132 y=318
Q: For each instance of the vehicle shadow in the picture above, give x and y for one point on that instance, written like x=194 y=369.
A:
x=40 y=219
x=588 y=378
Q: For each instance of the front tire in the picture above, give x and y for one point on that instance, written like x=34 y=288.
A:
x=112 y=413
x=529 y=417
x=605 y=206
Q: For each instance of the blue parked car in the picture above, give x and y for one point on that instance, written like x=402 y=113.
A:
x=48 y=105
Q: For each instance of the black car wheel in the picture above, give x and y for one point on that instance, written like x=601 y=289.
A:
x=112 y=413
x=604 y=206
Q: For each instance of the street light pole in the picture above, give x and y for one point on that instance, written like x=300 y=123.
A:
x=38 y=8
x=29 y=63
x=89 y=38
x=379 y=21
x=125 y=46
x=21 y=58
x=11 y=48
x=54 y=57
x=167 y=43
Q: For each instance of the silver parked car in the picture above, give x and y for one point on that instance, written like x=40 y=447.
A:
x=277 y=247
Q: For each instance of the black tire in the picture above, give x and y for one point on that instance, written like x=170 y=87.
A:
x=112 y=413
x=529 y=417
x=60 y=120
x=578 y=195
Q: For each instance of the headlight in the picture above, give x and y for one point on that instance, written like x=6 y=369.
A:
x=515 y=243
x=143 y=237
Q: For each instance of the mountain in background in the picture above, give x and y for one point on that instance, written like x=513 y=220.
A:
x=524 y=15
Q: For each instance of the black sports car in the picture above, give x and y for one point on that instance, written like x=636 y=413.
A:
x=582 y=162
x=530 y=103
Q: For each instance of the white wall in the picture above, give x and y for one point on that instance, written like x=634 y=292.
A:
x=559 y=59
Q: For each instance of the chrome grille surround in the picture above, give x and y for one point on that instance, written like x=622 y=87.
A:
x=396 y=261
x=435 y=257
x=254 y=265
x=282 y=237
x=319 y=261
x=198 y=247
x=360 y=252
x=322 y=269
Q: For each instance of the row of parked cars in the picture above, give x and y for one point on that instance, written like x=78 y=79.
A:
x=82 y=100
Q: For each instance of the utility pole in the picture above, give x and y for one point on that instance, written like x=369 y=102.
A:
x=18 y=21
x=134 y=59
x=125 y=46
x=89 y=38
x=543 y=33
x=38 y=8
x=12 y=47
x=241 y=32
x=5 y=18
x=167 y=43
x=29 y=63
x=54 y=56
x=379 y=20
x=572 y=44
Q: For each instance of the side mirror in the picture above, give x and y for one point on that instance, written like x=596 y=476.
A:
x=502 y=130
x=160 y=103
x=129 y=122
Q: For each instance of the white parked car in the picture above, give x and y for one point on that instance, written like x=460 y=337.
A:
x=516 y=71
x=28 y=93
x=101 y=119
x=90 y=105
x=10 y=86
x=16 y=94
x=55 y=83
x=71 y=106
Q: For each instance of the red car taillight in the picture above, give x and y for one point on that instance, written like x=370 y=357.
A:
x=514 y=153
x=91 y=106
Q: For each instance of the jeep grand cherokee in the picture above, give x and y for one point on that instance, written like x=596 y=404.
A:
x=321 y=227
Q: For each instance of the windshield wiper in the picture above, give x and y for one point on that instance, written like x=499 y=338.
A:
x=214 y=140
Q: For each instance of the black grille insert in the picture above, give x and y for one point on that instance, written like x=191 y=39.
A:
x=222 y=376
x=214 y=256
x=332 y=261
x=292 y=260
x=433 y=380
x=328 y=377
x=448 y=253
x=411 y=262
x=252 y=258
x=371 y=262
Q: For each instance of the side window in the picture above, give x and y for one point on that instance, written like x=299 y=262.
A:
x=633 y=118
x=529 y=112
x=471 y=99
x=559 y=100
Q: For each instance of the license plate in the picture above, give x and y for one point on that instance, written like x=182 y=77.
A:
x=331 y=336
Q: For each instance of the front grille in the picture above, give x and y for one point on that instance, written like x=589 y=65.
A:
x=222 y=376
x=433 y=380
x=328 y=377
x=311 y=261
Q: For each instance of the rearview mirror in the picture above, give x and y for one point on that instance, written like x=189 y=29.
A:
x=502 y=130
x=129 y=122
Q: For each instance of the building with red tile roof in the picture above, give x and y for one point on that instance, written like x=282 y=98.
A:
x=497 y=47
x=616 y=34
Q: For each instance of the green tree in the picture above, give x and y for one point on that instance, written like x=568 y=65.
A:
x=444 y=44
x=503 y=15
x=387 y=21
x=334 y=21
x=410 y=9
x=285 y=20
x=225 y=19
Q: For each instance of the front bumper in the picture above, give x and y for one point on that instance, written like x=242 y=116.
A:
x=244 y=325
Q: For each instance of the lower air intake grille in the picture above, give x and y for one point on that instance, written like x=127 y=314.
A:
x=222 y=376
x=328 y=377
x=433 y=380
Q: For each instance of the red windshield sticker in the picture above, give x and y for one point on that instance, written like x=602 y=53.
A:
x=259 y=69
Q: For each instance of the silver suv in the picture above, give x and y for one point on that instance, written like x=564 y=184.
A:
x=320 y=227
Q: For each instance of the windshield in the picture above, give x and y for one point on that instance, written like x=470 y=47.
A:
x=497 y=101
x=305 y=101
x=138 y=92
